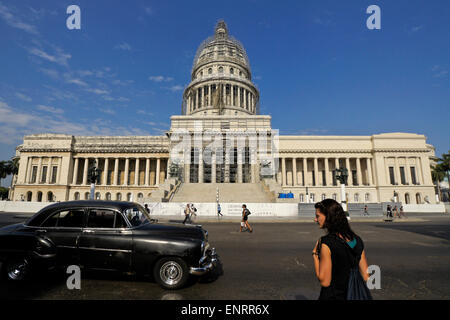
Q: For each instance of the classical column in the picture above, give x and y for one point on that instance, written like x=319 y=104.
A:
x=238 y=96
x=116 y=172
x=147 y=168
x=136 y=172
x=232 y=95
x=369 y=171
x=398 y=179
x=85 y=170
x=358 y=171
x=127 y=168
x=200 y=165
x=327 y=170
x=105 y=172
x=239 y=165
x=75 y=171
x=305 y=171
x=49 y=169
x=158 y=163
x=283 y=171
x=29 y=169
x=316 y=172
x=294 y=171
x=253 y=165
x=420 y=177
x=408 y=172
x=58 y=170
x=347 y=165
x=213 y=166
x=39 y=172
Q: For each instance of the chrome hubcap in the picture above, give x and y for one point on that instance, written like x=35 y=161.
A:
x=16 y=271
x=171 y=272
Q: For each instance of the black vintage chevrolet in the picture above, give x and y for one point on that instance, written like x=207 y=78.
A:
x=106 y=235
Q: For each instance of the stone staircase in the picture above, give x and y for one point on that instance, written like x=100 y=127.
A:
x=228 y=192
x=165 y=191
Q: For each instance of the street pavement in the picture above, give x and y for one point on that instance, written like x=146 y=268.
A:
x=275 y=263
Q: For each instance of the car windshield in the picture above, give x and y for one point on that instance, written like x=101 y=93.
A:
x=137 y=216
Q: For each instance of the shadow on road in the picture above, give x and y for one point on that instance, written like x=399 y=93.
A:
x=441 y=232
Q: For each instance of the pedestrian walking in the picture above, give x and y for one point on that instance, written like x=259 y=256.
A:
x=338 y=254
x=219 y=209
x=395 y=212
x=146 y=208
x=389 y=211
x=244 y=223
x=187 y=213
x=402 y=212
x=366 y=211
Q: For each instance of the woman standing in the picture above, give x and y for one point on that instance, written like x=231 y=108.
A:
x=332 y=261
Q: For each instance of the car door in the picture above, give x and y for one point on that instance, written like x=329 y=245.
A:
x=106 y=241
x=63 y=228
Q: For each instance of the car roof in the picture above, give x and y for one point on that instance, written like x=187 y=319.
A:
x=40 y=216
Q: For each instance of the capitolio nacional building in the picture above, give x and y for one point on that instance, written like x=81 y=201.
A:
x=221 y=147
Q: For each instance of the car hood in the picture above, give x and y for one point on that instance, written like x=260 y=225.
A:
x=172 y=229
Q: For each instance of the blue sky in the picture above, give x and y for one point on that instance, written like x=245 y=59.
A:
x=319 y=69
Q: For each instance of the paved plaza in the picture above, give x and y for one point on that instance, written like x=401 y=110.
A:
x=274 y=263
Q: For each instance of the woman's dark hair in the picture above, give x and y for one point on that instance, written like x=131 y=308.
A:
x=335 y=219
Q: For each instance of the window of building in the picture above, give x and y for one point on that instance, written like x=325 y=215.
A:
x=334 y=196
x=210 y=71
x=302 y=198
x=354 y=178
x=34 y=174
x=323 y=197
x=86 y=196
x=418 y=198
x=44 y=174
x=407 y=198
x=367 y=197
x=76 y=196
x=97 y=196
x=129 y=196
x=312 y=197
x=413 y=175
x=54 y=174
x=231 y=71
x=391 y=175
x=108 y=196
x=119 y=197
x=220 y=69
x=324 y=181
x=402 y=175
x=356 y=197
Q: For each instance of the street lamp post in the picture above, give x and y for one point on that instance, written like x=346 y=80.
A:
x=93 y=179
x=341 y=175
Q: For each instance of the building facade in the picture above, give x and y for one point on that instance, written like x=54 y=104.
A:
x=221 y=138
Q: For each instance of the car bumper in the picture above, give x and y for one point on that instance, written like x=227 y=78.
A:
x=206 y=264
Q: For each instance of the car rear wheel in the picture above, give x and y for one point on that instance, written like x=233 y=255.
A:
x=16 y=270
x=171 y=273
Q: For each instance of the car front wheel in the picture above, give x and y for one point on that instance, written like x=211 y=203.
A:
x=171 y=273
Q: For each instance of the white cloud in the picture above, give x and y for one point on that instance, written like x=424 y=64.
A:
x=160 y=78
x=59 y=57
x=176 y=88
x=98 y=91
x=54 y=74
x=77 y=82
x=23 y=97
x=108 y=111
x=123 y=46
x=15 y=22
x=417 y=28
x=50 y=109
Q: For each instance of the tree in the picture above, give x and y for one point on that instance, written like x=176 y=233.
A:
x=3 y=170
x=438 y=173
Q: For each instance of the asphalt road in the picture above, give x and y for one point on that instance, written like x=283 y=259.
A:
x=274 y=262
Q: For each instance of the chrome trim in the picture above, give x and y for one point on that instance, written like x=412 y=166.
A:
x=202 y=269
x=104 y=249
